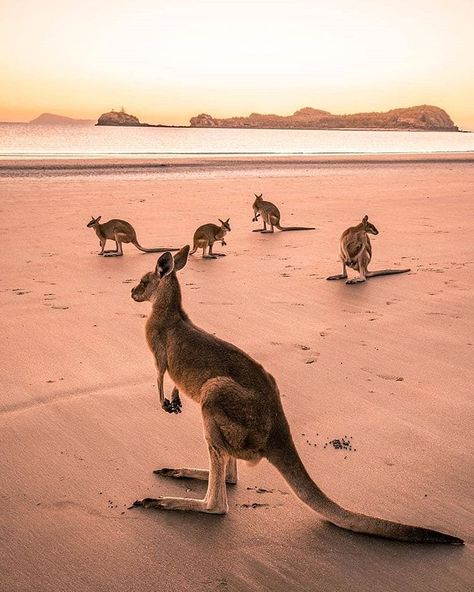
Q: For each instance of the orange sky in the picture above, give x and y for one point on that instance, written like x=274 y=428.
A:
x=165 y=61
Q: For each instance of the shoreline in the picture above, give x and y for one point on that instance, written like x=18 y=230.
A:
x=15 y=166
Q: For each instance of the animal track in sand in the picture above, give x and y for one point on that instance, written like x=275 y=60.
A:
x=384 y=376
x=263 y=490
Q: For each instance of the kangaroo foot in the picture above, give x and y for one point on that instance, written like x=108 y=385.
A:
x=179 y=503
x=201 y=474
x=340 y=276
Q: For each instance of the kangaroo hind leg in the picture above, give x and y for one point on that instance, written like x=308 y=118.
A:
x=118 y=251
x=340 y=276
x=201 y=474
x=215 y=500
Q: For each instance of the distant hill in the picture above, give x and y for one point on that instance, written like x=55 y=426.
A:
x=423 y=117
x=52 y=119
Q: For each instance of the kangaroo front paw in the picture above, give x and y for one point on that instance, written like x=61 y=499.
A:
x=173 y=406
x=356 y=281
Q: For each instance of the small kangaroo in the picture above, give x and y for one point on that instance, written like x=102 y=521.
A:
x=207 y=234
x=356 y=253
x=270 y=215
x=121 y=232
x=241 y=410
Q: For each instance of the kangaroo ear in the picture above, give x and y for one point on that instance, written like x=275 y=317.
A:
x=227 y=221
x=365 y=218
x=221 y=221
x=164 y=265
x=97 y=219
x=181 y=258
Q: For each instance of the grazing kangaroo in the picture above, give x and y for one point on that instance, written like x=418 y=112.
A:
x=121 y=232
x=207 y=234
x=356 y=253
x=270 y=215
x=241 y=410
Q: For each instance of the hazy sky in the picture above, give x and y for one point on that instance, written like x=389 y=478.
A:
x=165 y=61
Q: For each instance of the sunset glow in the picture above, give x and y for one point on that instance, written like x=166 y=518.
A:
x=166 y=62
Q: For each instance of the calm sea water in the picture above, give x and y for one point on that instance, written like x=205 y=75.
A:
x=44 y=141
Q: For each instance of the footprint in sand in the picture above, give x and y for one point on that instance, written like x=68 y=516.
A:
x=384 y=376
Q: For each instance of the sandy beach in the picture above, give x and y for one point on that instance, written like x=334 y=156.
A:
x=387 y=365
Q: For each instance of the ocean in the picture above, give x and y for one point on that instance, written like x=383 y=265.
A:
x=27 y=141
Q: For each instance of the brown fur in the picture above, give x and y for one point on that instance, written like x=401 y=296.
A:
x=241 y=409
x=356 y=252
x=270 y=215
x=207 y=234
x=121 y=232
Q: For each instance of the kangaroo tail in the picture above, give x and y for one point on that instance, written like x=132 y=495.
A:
x=386 y=272
x=292 y=469
x=157 y=250
x=284 y=228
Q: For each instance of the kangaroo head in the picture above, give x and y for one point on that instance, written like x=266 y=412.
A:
x=165 y=266
x=368 y=227
x=225 y=224
x=93 y=222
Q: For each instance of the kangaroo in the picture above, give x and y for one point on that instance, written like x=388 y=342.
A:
x=241 y=410
x=121 y=232
x=207 y=234
x=356 y=253
x=270 y=215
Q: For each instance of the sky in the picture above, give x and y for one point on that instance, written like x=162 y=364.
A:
x=165 y=61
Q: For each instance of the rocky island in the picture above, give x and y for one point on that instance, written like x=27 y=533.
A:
x=423 y=117
x=119 y=118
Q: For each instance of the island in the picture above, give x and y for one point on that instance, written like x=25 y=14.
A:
x=121 y=118
x=422 y=117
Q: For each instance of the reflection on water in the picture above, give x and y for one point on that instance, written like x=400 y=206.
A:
x=26 y=140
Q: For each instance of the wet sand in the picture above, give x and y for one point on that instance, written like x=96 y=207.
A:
x=386 y=365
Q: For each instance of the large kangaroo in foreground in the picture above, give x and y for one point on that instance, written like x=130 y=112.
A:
x=270 y=215
x=355 y=251
x=121 y=232
x=241 y=410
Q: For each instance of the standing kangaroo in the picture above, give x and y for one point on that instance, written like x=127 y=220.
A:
x=270 y=215
x=207 y=234
x=121 y=232
x=241 y=410
x=356 y=253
